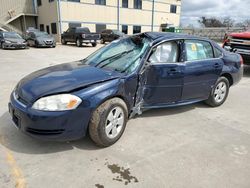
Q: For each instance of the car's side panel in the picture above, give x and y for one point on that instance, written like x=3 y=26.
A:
x=124 y=88
x=163 y=84
x=199 y=78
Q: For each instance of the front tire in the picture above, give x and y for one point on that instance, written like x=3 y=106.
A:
x=78 y=43
x=94 y=44
x=219 y=92
x=63 y=41
x=2 y=46
x=108 y=122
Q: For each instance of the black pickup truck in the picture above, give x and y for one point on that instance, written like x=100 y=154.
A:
x=79 y=35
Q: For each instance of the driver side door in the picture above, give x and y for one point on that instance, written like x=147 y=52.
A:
x=163 y=76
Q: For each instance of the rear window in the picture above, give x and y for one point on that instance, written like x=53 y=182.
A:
x=82 y=30
x=217 y=53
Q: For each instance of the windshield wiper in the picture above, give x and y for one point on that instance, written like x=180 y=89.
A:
x=112 y=57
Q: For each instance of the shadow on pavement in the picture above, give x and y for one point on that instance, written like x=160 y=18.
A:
x=171 y=110
x=16 y=141
x=246 y=71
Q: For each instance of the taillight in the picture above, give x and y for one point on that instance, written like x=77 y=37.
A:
x=241 y=60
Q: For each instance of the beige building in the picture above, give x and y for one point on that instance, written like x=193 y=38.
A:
x=17 y=15
x=129 y=16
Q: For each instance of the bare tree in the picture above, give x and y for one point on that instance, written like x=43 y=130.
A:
x=210 y=22
x=228 y=22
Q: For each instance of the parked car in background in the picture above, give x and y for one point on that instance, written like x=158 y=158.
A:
x=239 y=43
x=40 y=39
x=99 y=93
x=108 y=35
x=79 y=36
x=12 y=40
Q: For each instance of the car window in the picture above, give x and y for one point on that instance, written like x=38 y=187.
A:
x=165 y=53
x=32 y=35
x=82 y=30
x=217 y=52
x=198 y=50
x=71 y=30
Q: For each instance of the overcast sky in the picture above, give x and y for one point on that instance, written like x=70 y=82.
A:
x=239 y=10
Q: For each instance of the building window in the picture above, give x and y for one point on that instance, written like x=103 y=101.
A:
x=51 y=1
x=125 y=29
x=47 y=29
x=100 y=27
x=41 y=27
x=74 y=25
x=136 y=29
x=173 y=8
x=53 y=28
x=100 y=2
x=124 y=3
x=74 y=1
x=138 y=4
x=39 y=2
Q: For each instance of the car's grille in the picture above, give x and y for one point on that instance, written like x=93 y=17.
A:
x=239 y=41
x=48 y=42
x=44 y=132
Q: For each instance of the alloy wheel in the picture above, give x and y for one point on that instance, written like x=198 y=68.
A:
x=114 y=122
x=220 y=92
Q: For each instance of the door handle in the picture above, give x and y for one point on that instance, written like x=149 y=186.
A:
x=217 y=65
x=173 y=71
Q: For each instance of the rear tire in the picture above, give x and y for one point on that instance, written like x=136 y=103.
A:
x=219 y=92
x=108 y=122
x=102 y=41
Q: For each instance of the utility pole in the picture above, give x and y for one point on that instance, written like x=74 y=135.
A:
x=153 y=10
x=118 y=15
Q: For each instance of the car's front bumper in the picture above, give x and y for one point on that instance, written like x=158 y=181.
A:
x=14 y=46
x=60 y=126
x=46 y=45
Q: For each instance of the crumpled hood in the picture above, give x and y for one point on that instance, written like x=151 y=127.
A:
x=15 y=40
x=241 y=35
x=61 y=79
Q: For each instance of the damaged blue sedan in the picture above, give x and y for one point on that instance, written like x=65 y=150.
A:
x=97 y=95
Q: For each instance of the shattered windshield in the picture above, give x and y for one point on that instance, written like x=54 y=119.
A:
x=123 y=55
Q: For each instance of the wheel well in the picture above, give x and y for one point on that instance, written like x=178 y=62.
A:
x=229 y=77
x=120 y=97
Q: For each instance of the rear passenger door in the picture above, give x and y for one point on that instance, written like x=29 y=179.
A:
x=202 y=69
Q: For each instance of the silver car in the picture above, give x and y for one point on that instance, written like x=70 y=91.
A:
x=40 y=39
x=12 y=40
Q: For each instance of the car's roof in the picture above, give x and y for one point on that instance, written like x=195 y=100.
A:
x=80 y=27
x=168 y=35
x=8 y=32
